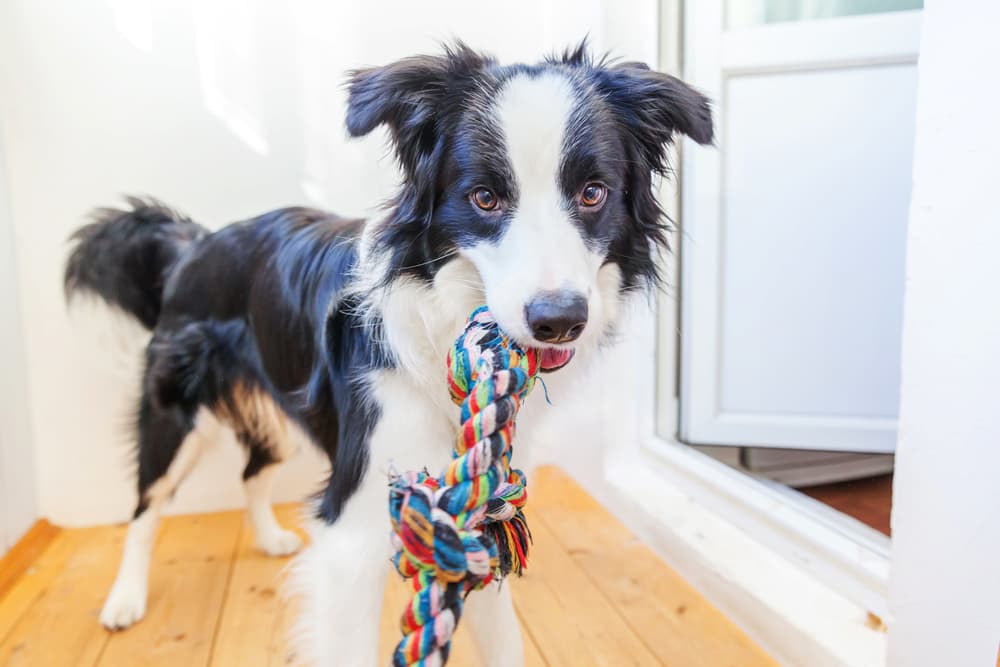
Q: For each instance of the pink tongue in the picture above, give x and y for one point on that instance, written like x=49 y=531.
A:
x=555 y=358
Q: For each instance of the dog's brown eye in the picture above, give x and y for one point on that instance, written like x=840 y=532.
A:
x=593 y=194
x=485 y=199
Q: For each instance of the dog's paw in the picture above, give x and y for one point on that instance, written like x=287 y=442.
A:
x=125 y=605
x=279 y=543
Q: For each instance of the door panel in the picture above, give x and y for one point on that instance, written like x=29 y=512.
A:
x=794 y=232
x=813 y=268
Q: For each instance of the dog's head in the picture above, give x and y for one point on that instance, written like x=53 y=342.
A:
x=541 y=176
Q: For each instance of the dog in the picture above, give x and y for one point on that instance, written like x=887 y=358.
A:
x=530 y=188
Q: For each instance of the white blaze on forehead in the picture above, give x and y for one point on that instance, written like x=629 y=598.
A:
x=533 y=113
x=541 y=249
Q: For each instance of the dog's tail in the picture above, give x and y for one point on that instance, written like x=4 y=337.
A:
x=126 y=255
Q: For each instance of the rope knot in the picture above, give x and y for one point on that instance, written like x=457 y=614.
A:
x=461 y=530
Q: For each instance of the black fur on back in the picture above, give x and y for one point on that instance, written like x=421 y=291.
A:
x=125 y=255
x=257 y=306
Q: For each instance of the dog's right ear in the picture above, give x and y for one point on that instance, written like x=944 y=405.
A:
x=408 y=97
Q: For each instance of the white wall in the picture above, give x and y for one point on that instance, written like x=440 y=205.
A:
x=223 y=109
x=946 y=515
x=18 y=507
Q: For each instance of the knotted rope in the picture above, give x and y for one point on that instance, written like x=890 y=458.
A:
x=458 y=532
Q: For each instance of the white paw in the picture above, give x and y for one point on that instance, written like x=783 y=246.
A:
x=125 y=605
x=279 y=543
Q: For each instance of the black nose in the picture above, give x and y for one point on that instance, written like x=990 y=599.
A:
x=557 y=317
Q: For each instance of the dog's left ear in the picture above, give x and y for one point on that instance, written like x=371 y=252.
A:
x=409 y=96
x=652 y=108
x=655 y=107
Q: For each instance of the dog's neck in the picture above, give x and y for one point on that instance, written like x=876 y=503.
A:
x=420 y=320
x=417 y=320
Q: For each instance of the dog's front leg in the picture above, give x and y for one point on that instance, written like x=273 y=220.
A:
x=342 y=573
x=341 y=580
x=490 y=615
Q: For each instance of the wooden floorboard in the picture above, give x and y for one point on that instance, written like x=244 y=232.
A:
x=23 y=554
x=258 y=616
x=868 y=500
x=56 y=607
x=676 y=624
x=592 y=595
x=188 y=588
x=570 y=617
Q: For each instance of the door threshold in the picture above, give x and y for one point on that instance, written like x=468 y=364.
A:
x=802 y=585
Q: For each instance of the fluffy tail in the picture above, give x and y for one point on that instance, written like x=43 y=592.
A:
x=126 y=255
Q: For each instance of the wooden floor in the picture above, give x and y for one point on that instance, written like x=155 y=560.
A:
x=593 y=596
x=868 y=500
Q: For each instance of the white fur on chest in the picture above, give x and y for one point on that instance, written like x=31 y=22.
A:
x=420 y=322
x=418 y=421
x=415 y=429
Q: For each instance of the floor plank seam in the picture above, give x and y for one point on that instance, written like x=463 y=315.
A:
x=233 y=557
x=600 y=589
x=104 y=647
x=526 y=628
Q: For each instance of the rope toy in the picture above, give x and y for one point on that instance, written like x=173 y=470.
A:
x=458 y=532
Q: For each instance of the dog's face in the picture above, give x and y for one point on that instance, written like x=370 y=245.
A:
x=541 y=176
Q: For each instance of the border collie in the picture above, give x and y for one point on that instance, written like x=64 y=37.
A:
x=526 y=187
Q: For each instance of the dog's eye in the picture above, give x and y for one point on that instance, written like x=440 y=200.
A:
x=484 y=199
x=593 y=194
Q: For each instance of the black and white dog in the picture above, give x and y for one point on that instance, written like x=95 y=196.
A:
x=528 y=187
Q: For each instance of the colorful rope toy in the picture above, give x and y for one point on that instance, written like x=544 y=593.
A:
x=458 y=532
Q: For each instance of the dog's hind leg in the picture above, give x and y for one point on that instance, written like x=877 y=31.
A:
x=258 y=478
x=170 y=441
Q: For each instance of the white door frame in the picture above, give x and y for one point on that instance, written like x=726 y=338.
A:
x=800 y=578
x=710 y=58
